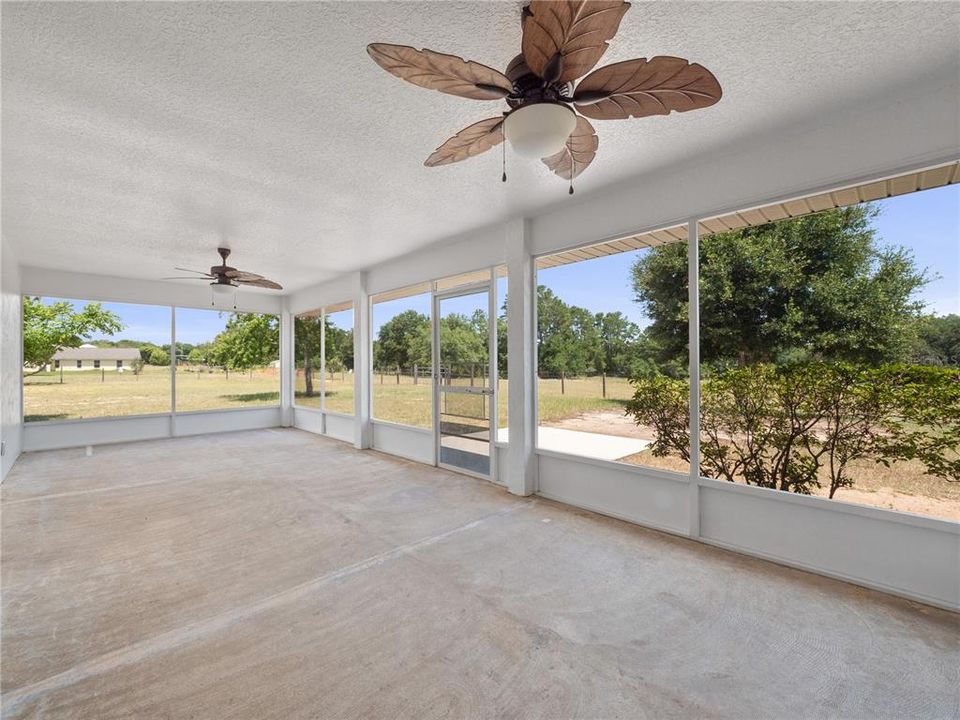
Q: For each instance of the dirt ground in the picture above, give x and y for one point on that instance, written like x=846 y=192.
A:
x=876 y=486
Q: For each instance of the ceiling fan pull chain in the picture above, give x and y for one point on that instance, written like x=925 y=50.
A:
x=503 y=148
x=571 y=173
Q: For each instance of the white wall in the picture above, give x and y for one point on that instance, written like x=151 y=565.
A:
x=908 y=555
x=11 y=310
x=333 y=425
x=647 y=497
x=339 y=427
x=105 y=431
x=406 y=442
x=308 y=420
x=345 y=287
x=476 y=250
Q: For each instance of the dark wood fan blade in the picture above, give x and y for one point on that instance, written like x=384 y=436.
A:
x=564 y=40
x=580 y=151
x=639 y=88
x=201 y=272
x=235 y=274
x=187 y=277
x=445 y=73
x=471 y=141
x=260 y=282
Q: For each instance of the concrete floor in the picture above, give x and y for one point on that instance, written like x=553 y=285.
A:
x=276 y=574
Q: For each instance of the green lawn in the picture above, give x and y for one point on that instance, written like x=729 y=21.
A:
x=92 y=393
x=410 y=404
x=339 y=389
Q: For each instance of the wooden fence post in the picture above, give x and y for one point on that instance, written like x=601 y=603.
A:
x=604 y=386
x=563 y=384
x=416 y=373
x=398 y=374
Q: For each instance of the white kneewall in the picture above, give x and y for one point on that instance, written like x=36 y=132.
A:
x=59 y=434
x=11 y=359
x=338 y=426
x=404 y=441
x=908 y=555
x=653 y=498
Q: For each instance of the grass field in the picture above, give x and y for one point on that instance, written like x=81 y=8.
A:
x=90 y=393
x=411 y=404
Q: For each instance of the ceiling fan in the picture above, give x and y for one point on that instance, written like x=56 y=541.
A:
x=561 y=42
x=226 y=278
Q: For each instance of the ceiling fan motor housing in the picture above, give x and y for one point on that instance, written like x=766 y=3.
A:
x=529 y=89
x=220 y=271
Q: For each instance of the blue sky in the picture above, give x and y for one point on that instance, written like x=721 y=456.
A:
x=929 y=224
x=926 y=222
x=342 y=319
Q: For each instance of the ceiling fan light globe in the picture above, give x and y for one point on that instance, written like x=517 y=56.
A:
x=222 y=288
x=539 y=130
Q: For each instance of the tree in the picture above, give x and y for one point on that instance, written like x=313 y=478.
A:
x=338 y=344
x=419 y=347
x=183 y=351
x=463 y=341
x=814 y=287
x=48 y=328
x=147 y=349
x=567 y=339
x=306 y=348
x=618 y=337
x=939 y=340
x=400 y=341
x=158 y=356
x=249 y=340
x=201 y=354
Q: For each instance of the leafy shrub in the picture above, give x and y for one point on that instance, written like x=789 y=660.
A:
x=786 y=427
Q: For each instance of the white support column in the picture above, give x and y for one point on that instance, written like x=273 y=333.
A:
x=693 y=315
x=521 y=333
x=173 y=372
x=362 y=353
x=323 y=371
x=287 y=370
x=494 y=371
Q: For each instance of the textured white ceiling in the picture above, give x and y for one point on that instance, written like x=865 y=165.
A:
x=137 y=136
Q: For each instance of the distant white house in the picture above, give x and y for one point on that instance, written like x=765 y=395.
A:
x=91 y=357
